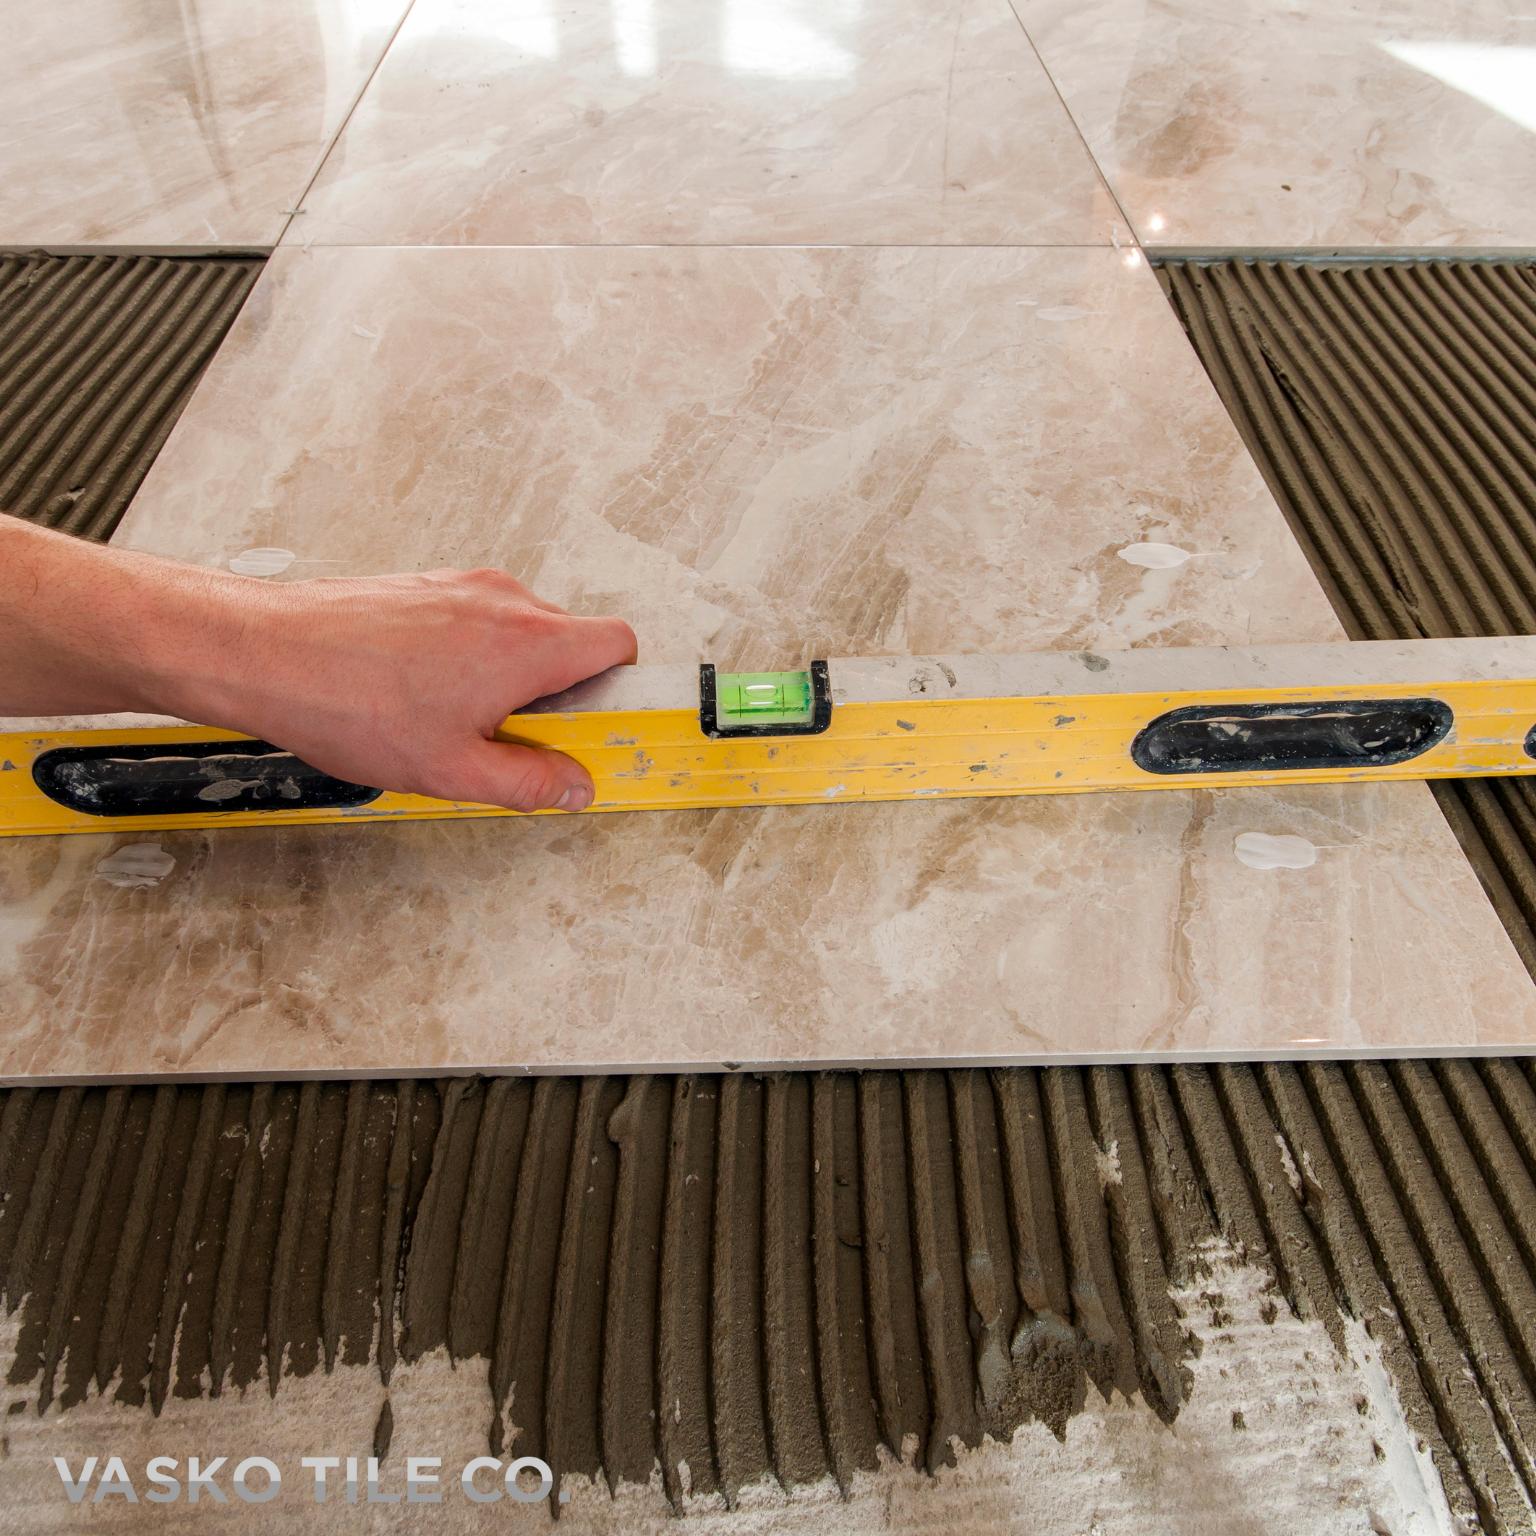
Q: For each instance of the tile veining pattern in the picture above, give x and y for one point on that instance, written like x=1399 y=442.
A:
x=1239 y=123
x=758 y=455
x=511 y=122
x=790 y=1277
x=198 y=123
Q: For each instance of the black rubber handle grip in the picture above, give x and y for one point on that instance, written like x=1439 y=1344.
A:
x=1243 y=738
x=186 y=777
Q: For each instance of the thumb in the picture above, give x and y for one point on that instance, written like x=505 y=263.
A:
x=517 y=777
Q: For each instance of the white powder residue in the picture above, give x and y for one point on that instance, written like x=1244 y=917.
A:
x=1154 y=557
x=1292 y=1173
x=261 y=562
x=1280 y=1434
x=136 y=866
x=1410 y=1467
x=1261 y=850
x=226 y=789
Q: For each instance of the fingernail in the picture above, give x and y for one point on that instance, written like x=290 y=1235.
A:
x=577 y=798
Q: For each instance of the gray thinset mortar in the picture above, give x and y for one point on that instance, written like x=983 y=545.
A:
x=795 y=1275
x=1392 y=407
x=735 y=1275
x=98 y=356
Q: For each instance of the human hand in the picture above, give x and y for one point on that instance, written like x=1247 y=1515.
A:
x=400 y=681
x=394 y=681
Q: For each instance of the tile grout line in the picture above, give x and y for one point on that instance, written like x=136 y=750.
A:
x=1198 y=255
x=1111 y=244
x=325 y=154
x=705 y=245
x=1077 y=128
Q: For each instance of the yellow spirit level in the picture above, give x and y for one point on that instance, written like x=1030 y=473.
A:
x=666 y=737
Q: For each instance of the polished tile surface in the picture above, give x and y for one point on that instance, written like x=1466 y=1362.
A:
x=757 y=455
x=924 y=122
x=1230 y=123
x=197 y=122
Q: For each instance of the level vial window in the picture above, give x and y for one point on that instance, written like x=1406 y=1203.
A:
x=764 y=698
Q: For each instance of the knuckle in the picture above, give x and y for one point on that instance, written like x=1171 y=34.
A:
x=621 y=636
x=486 y=578
x=534 y=623
x=476 y=589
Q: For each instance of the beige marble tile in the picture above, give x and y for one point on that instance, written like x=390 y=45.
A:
x=757 y=455
x=709 y=121
x=1245 y=123
x=197 y=122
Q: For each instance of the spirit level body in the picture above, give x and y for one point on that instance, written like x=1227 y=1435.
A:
x=890 y=728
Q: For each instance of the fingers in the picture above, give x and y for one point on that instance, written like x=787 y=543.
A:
x=547 y=649
x=516 y=777
x=569 y=650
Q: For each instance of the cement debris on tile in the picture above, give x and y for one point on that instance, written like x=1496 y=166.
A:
x=149 y=126
x=98 y=357
x=1392 y=406
x=759 y=456
x=1304 y=126
x=915 y=122
x=1316 y=1284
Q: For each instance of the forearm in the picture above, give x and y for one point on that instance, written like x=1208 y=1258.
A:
x=90 y=629
x=397 y=681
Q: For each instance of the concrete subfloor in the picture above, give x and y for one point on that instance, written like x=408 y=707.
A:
x=1282 y=1437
